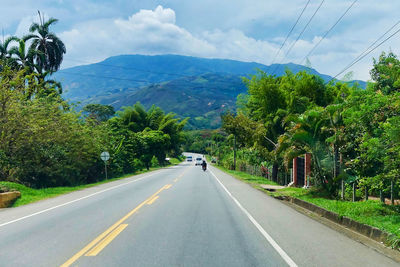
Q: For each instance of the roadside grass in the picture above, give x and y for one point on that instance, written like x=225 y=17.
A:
x=248 y=178
x=30 y=195
x=371 y=212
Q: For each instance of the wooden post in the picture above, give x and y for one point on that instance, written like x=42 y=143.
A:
x=342 y=191
x=392 y=192
x=366 y=193
x=354 y=191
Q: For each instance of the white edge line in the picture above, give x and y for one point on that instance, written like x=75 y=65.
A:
x=72 y=201
x=275 y=245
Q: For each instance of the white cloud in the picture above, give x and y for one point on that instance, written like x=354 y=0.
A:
x=146 y=32
x=157 y=32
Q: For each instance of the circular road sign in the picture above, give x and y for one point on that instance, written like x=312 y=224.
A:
x=105 y=156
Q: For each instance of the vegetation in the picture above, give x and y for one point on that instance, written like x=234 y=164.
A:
x=30 y=195
x=352 y=134
x=45 y=143
x=371 y=212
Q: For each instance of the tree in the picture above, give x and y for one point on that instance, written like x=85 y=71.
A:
x=386 y=73
x=99 y=112
x=51 y=48
x=23 y=55
x=5 y=53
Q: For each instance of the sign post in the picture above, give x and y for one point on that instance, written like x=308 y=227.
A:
x=105 y=156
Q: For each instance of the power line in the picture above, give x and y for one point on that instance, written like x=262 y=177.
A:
x=328 y=31
x=301 y=33
x=291 y=30
x=364 y=54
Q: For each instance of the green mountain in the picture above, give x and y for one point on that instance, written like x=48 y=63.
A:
x=202 y=98
x=193 y=87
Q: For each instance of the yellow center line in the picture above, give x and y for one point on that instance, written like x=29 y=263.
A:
x=115 y=225
x=151 y=201
x=176 y=180
x=168 y=186
x=99 y=247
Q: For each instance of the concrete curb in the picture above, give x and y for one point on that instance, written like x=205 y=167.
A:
x=366 y=230
x=7 y=198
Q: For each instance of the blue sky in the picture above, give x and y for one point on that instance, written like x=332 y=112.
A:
x=247 y=30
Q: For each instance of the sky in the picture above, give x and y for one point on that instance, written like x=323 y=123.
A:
x=245 y=30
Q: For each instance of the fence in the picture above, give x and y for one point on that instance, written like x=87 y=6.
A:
x=284 y=178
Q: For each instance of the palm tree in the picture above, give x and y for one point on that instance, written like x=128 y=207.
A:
x=22 y=57
x=50 y=46
x=4 y=52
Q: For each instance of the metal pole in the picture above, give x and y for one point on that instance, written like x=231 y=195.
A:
x=342 y=189
x=105 y=167
x=234 y=153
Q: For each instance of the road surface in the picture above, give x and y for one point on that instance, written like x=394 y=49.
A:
x=178 y=216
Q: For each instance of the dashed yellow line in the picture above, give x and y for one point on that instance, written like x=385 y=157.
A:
x=110 y=229
x=176 y=180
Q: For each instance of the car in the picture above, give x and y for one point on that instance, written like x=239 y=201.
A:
x=199 y=161
x=189 y=158
x=213 y=160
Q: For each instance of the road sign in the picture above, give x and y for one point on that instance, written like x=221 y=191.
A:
x=105 y=156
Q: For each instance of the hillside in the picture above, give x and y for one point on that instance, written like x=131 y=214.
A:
x=202 y=98
x=196 y=87
x=127 y=72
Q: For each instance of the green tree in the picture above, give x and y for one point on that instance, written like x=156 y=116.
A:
x=99 y=112
x=386 y=73
x=23 y=55
x=51 y=48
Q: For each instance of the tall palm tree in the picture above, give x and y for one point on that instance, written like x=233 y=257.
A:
x=50 y=46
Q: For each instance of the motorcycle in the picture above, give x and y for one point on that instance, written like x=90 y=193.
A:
x=204 y=167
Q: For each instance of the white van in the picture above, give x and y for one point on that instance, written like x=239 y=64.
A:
x=199 y=161
x=189 y=158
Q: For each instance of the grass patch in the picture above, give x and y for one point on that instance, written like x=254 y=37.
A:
x=30 y=195
x=248 y=178
x=371 y=212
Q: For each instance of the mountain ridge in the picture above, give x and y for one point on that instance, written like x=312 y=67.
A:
x=126 y=79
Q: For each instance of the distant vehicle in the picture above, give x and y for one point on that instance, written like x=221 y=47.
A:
x=189 y=158
x=213 y=160
x=199 y=161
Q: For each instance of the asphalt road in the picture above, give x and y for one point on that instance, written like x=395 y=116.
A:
x=178 y=216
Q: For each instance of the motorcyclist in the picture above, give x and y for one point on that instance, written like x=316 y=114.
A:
x=204 y=165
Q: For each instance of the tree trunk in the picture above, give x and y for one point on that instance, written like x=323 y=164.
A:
x=354 y=192
x=381 y=196
x=336 y=169
x=366 y=193
x=275 y=172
